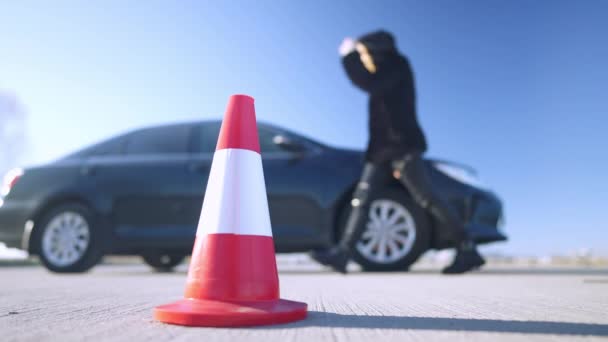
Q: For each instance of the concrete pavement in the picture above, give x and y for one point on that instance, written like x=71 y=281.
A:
x=115 y=302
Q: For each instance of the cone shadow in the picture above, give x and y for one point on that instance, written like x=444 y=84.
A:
x=326 y=319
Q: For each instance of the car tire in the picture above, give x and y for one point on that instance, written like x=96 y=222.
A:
x=163 y=261
x=411 y=225
x=67 y=239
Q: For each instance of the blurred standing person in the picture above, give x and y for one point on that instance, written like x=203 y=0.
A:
x=395 y=148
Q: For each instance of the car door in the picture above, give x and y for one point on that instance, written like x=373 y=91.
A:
x=292 y=183
x=295 y=186
x=149 y=185
x=204 y=142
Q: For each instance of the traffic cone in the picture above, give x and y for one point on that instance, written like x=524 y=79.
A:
x=233 y=279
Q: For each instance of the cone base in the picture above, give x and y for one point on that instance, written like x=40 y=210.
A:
x=213 y=313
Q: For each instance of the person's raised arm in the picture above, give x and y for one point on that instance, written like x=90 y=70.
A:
x=363 y=72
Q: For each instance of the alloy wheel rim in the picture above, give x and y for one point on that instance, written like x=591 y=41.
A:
x=66 y=239
x=390 y=232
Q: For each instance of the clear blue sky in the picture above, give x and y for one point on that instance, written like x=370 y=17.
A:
x=517 y=89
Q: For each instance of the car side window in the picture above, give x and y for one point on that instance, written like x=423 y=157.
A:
x=209 y=133
x=207 y=140
x=112 y=147
x=159 y=140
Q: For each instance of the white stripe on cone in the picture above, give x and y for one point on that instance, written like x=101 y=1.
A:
x=235 y=200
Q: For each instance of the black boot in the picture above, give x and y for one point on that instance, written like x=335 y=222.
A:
x=467 y=259
x=335 y=257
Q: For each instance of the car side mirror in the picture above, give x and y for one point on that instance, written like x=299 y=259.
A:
x=289 y=144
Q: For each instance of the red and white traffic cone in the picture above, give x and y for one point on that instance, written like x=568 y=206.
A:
x=233 y=279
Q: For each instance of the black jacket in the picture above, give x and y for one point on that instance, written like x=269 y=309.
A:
x=393 y=124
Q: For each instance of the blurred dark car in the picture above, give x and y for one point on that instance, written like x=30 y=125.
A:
x=141 y=194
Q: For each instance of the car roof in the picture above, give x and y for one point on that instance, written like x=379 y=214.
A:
x=263 y=124
x=203 y=122
x=277 y=129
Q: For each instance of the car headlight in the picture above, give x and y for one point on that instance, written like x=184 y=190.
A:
x=460 y=173
x=9 y=181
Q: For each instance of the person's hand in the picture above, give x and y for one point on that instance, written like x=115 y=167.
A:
x=347 y=46
x=366 y=58
x=397 y=174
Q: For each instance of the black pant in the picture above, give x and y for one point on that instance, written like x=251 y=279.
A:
x=414 y=176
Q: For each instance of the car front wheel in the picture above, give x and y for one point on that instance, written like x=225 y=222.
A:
x=396 y=233
x=67 y=240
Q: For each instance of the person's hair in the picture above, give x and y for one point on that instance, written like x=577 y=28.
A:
x=381 y=47
x=379 y=42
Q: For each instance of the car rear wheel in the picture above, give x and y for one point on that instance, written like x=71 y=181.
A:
x=163 y=261
x=67 y=240
x=396 y=233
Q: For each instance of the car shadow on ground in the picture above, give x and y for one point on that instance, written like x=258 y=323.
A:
x=578 y=271
x=484 y=272
x=327 y=319
x=17 y=263
x=129 y=270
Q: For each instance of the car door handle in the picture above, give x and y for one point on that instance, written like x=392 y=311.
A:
x=88 y=170
x=196 y=167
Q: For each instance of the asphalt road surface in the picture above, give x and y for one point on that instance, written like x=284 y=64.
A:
x=115 y=302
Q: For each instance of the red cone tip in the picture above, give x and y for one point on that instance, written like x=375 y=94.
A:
x=239 y=129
